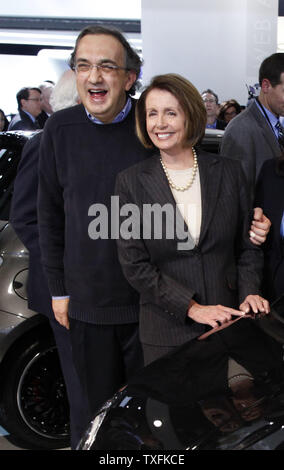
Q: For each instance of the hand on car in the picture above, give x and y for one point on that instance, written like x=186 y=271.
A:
x=256 y=303
x=212 y=315
x=260 y=227
x=60 y=310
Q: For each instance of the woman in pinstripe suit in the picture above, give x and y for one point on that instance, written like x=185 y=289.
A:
x=214 y=275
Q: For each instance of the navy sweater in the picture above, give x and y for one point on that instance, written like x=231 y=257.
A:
x=79 y=161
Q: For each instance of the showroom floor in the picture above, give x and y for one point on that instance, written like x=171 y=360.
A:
x=5 y=442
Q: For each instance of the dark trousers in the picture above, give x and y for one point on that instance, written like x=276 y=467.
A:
x=152 y=352
x=105 y=357
x=78 y=417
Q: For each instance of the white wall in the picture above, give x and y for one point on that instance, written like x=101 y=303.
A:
x=216 y=44
x=119 y=9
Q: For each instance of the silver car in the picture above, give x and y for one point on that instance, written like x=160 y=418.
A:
x=33 y=402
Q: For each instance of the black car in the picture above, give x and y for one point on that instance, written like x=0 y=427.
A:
x=190 y=399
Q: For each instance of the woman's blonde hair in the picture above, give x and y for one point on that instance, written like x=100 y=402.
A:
x=190 y=101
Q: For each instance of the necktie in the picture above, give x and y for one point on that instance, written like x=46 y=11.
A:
x=280 y=133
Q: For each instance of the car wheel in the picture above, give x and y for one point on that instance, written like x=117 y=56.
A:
x=34 y=406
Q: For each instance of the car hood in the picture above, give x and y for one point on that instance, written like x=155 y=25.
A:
x=187 y=400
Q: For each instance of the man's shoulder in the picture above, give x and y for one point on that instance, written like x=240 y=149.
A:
x=68 y=116
x=16 y=123
x=247 y=118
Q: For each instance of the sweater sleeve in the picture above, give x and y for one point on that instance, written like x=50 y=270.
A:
x=51 y=216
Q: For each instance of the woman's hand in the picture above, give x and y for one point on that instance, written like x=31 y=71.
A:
x=211 y=315
x=256 y=304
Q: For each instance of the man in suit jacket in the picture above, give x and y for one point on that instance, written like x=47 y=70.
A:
x=270 y=196
x=252 y=136
x=29 y=106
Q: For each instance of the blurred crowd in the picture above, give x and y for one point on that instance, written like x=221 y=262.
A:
x=35 y=106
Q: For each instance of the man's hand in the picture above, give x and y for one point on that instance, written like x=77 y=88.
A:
x=260 y=227
x=60 y=310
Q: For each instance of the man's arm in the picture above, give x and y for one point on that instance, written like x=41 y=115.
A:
x=238 y=143
x=23 y=215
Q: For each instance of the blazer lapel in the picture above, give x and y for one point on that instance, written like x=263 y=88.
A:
x=155 y=183
x=266 y=130
x=210 y=172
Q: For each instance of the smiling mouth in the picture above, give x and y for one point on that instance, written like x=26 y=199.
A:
x=97 y=94
x=164 y=135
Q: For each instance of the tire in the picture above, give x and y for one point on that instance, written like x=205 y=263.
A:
x=34 y=406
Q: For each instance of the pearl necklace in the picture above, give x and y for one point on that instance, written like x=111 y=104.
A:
x=191 y=181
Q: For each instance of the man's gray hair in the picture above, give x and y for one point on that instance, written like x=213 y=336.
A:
x=65 y=94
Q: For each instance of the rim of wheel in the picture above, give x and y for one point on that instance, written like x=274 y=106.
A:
x=42 y=398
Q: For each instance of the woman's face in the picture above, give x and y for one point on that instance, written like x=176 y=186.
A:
x=230 y=113
x=165 y=121
x=2 y=121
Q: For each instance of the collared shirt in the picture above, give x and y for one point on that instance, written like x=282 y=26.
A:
x=272 y=118
x=211 y=126
x=30 y=116
x=120 y=117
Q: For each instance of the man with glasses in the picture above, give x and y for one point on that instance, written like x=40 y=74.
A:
x=210 y=100
x=29 y=106
x=82 y=150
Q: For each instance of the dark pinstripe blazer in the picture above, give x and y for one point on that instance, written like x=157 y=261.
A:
x=222 y=269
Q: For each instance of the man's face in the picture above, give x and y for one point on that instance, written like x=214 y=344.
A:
x=210 y=104
x=274 y=97
x=103 y=94
x=33 y=103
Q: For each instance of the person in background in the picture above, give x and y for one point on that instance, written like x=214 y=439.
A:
x=228 y=110
x=29 y=106
x=256 y=135
x=65 y=92
x=4 y=123
x=269 y=195
x=214 y=275
x=23 y=218
x=46 y=89
x=210 y=100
